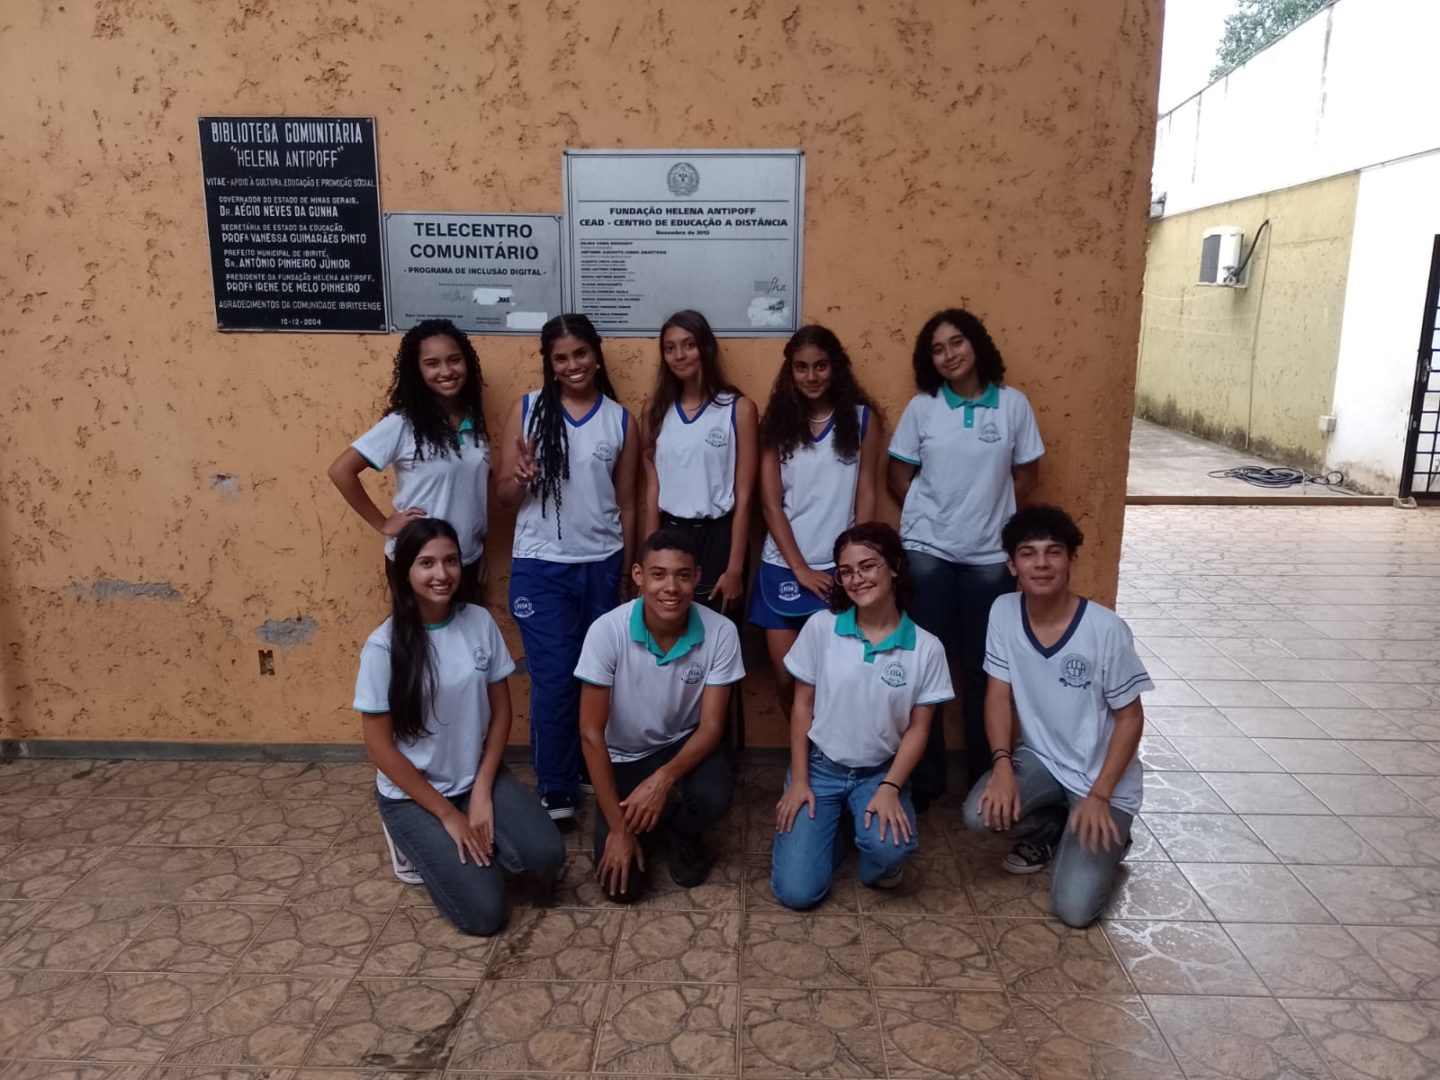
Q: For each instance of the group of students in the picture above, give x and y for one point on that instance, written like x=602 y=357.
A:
x=629 y=700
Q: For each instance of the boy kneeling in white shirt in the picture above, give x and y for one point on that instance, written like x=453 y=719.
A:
x=1067 y=669
x=657 y=674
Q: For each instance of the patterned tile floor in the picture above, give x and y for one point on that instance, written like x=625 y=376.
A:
x=1278 y=918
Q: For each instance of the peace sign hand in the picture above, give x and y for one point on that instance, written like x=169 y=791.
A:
x=525 y=472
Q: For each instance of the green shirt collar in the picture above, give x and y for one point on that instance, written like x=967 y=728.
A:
x=694 y=635
x=990 y=399
x=903 y=636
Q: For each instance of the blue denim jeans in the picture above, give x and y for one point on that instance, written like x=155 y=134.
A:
x=804 y=860
x=952 y=601
x=1080 y=880
x=472 y=896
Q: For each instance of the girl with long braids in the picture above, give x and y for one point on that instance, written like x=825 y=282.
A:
x=965 y=453
x=567 y=461
x=819 y=450
x=433 y=435
x=435 y=699
x=701 y=446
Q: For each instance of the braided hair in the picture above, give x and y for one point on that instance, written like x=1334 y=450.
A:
x=547 y=418
x=667 y=386
x=786 y=426
x=412 y=399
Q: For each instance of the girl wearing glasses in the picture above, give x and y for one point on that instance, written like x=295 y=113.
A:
x=867 y=681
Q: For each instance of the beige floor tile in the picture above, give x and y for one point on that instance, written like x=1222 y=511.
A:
x=75 y=935
x=1272 y=723
x=1263 y=793
x=1199 y=720
x=996 y=894
x=1221 y=693
x=932 y=885
x=844 y=894
x=266 y=875
x=349 y=781
x=518 y=1027
x=38 y=871
x=245 y=779
x=1181 y=958
x=1206 y=667
x=1180 y=793
x=927 y=951
x=1403 y=841
x=1144 y=847
x=1324 y=839
x=563 y=944
x=678 y=1030
x=1154 y=891
x=352 y=874
x=679 y=946
x=931 y=1033
x=421 y=942
x=1361 y=723
x=415 y=1024
x=786 y=1032
x=1045 y=956
x=1159 y=755
x=1239 y=1037
x=126 y=779
x=16 y=915
x=1310 y=694
x=1207 y=838
x=256 y=1020
x=1207 y=754
x=301 y=824
x=319 y=941
x=1311 y=961
x=1378 y=895
x=1424 y=789
x=1089 y=1036
x=143 y=875
x=1314 y=756
x=77 y=822
x=1273 y=669
x=122 y=1017
x=74 y=1070
x=1390 y=695
x=1176 y=693
x=792 y=949
x=1396 y=758
x=30 y=1000
x=198 y=821
x=1364 y=1039
x=204 y=938
x=1249 y=892
x=1409 y=955
x=1370 y=795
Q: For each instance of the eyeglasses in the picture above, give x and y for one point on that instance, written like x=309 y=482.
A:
x=867 y=569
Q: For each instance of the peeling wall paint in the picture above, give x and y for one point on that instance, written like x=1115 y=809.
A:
x=994 y=153
x=287 y=633
x=109 y=589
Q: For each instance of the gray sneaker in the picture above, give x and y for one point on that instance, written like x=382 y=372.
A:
x=891 y=879
x=1028 y=858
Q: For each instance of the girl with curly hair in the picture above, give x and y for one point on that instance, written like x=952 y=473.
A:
x=819 y=449
x=701 y=445
x=433 y=435
x=567 y=463
x=965 y=452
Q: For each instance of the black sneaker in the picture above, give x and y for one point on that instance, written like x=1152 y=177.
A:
x=1028 y=858
x=559 y=805
x=689 y=861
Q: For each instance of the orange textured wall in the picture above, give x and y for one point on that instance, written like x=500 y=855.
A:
x=164 y=512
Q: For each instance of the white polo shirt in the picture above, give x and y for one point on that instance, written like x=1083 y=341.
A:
x=864 y=693
x=469 y=654
x=453 y=487
x=589 y=512
x=695 y=460
x=654 y=695
x=964 y=492
x=1066 y=695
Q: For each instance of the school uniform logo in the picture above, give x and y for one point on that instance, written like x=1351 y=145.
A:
x=717 y=438
x=989 y=432
x=1075 y=672
x=691 y=673
x=894 y=674
x=481 y=658
x=789 y=591
x=605 y=452
x=522 y=608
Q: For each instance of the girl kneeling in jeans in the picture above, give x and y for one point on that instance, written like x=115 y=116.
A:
x=867 y=681
x=432 y=688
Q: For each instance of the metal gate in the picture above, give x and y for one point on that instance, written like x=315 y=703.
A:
x=1421 y=475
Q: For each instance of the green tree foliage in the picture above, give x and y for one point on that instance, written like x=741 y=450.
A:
x=1255 y=24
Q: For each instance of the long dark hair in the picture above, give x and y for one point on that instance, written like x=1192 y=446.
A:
x=885 y=542
x=668 y=386
x=412 y=668
x=989 y=365
x=412 y=399
x=786 y=427
x=547 y=418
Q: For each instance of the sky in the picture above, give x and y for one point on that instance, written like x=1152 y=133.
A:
x=1187 y=50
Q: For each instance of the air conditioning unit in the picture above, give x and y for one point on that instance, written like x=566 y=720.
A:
x=1220 y=254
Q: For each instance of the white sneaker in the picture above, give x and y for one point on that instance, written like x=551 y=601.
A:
x=403 y=867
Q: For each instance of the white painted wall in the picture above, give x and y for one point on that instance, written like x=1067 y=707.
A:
x=1352 y=87
x=1397 y=217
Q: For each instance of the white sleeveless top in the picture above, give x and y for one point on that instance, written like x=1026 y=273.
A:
x=818 y=496
x=695 y=460
x=589 y=512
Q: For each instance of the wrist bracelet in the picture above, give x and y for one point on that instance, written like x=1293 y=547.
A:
x=891 y=783
x=996 y=755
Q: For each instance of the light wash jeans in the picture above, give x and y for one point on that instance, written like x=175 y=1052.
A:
x=1080 y=880
x=471 y=896
x=804 y=860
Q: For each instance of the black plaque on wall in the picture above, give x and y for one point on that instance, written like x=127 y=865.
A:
x=293 y=209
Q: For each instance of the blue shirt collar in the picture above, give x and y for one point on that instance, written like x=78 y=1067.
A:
x=693 y=636
x=902 y=637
